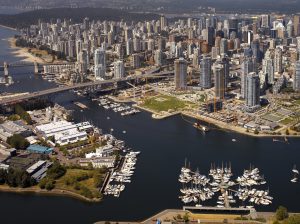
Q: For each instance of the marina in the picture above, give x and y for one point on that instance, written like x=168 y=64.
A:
x=118 y=178
x=198 y=188
x=122 y=109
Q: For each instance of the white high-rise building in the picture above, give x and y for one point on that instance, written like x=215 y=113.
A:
x=296 y=84
x=119 y=69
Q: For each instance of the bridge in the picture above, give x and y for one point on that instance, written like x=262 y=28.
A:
x=17 y=64
x=59 y=89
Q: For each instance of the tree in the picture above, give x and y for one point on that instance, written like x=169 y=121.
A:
x=3 y=176
x=287 y=132
x=56 y=171
x=256 y=132
x=281 y=213
x=18 y=141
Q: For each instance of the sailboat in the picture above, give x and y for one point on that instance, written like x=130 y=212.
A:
x=295 y=170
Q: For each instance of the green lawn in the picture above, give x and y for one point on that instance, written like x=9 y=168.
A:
x=80 y=181
x=164 y=103
x=286 y=121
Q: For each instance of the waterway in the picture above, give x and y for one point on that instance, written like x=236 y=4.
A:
x=164 y=145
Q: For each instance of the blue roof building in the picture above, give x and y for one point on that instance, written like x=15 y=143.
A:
x=39 y=149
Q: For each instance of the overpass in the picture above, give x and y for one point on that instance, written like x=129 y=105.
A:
x=59 y=89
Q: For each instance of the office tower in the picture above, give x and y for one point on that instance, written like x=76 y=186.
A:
x=223 y=46
x=205 y=72
x=248 y=66
x=135 y=61
x=120 y=50
x=180 y=73
x=219 y=77
x=119 y=69
x=129 y=47
x=296 y=84
x=278 y=60
x=158 y=58
x=100 y=57
x=253 y=90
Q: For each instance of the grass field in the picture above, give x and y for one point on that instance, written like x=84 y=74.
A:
x=286 y=121
x=164 y=103
x=80 y=181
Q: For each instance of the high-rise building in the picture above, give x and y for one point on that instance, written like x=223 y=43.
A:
x=278 y=60
x=99 y=72
x=205 y=72
x=100 y=57
x=219 y=77
x=253 y=91
x=268 y=68
x=180 y=73
x=83 y=62
x=296 y=84
x=163 y=22
x=158 y=58
x=136 y=45
x=248 y=66
x=135 y=63
x=265 y=21
x=119 y=69
x=129 y=47
x=223 y=46
x=296 y=25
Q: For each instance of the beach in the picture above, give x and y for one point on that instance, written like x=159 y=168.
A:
x=23 y=52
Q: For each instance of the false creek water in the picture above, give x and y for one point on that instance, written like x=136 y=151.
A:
x=164 y=145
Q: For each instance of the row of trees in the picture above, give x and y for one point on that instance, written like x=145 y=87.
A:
x=16 y=178
x=282 y=216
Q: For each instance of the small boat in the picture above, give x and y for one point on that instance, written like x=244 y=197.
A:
x=234 y=140
x=200 y=127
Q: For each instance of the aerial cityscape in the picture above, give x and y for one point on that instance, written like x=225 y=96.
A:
x=149 y=111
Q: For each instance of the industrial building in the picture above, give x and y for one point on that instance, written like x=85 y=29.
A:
x=65 y=132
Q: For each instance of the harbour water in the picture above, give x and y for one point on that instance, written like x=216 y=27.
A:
x=164 y=145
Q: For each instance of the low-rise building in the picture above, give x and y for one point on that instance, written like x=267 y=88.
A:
x=39 y=149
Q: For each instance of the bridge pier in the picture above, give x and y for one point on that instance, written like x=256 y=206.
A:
x=36 y=68
x=6 y=73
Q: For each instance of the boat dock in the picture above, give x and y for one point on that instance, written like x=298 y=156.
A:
x=240 y=210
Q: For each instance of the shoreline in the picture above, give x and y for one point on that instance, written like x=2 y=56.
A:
x=8 y=27
x=53 y=192
x=220 y=125
x=23 y=52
